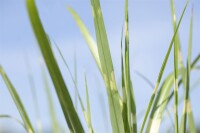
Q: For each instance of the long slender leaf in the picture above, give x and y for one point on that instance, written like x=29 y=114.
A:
x=131 y=107
x=162 y=100
x=65 y=100
x=124 y=110
x=17 y=101
x=89 y=121
x=176 y=50
x=161 y=71
x=187 y=110
x=34 y=95
x=115 y=102
x=90 y=41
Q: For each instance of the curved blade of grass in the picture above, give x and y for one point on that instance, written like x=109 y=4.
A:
x=14 y=119
x=159 y=105
x=161 y=71
x=17 y=101
x=65 y=100
x=115 y=102
x=131 y=108
x=54 y=121
x=187 y=111
x=162 y=100
x=152 y=86
x=88 y=116
x=90 y=41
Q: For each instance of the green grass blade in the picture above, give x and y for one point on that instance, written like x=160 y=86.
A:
x=65 y=100
x=12 y=118
x=124 y=110
x=161 y=71
x=17 y=101
x=115 y=102
x=162 y=100
x=90 y=41
x=71 y=76
x=131 y=108
x=160 y=105
x=176 y=50
x=89 y=121
x=187 y=111
x=54 y=121
x=86 y=115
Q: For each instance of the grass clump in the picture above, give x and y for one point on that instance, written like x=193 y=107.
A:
x=123 y=107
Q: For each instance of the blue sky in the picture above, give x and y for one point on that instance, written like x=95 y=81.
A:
x=150 y=34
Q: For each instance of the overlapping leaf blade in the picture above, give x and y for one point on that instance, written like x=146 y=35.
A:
x=115 y=102
x=161 y=71
x=65 y=100
x=90 y=41
x=131 y=107
x=54 y=121
x=187 y=110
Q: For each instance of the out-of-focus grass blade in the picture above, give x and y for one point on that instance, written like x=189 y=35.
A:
x=131 y=108
x=187 y=111
x=54 y=121
x=65 y=100
x=90 y=41
x=76 y=81
x=17 y=101
x=115 y=102
x=14 y=119
x=34 y=96
x=89 y=121
x=161 y=71
x=145 y=79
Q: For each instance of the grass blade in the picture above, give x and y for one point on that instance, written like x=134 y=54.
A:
x=34 y=96
x=161 y=71
x=176 y=50
x=124 y=110
x=162 y=100
x=65 y=100
x=187 y=111
x=159 y=105
x=14 y=119
x=131 y=108
x=17 y=101
x=89 y=121
x=90 y=41
x=115 y=102
x=54 y=121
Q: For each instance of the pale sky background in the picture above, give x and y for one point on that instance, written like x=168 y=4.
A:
x=150 y=34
